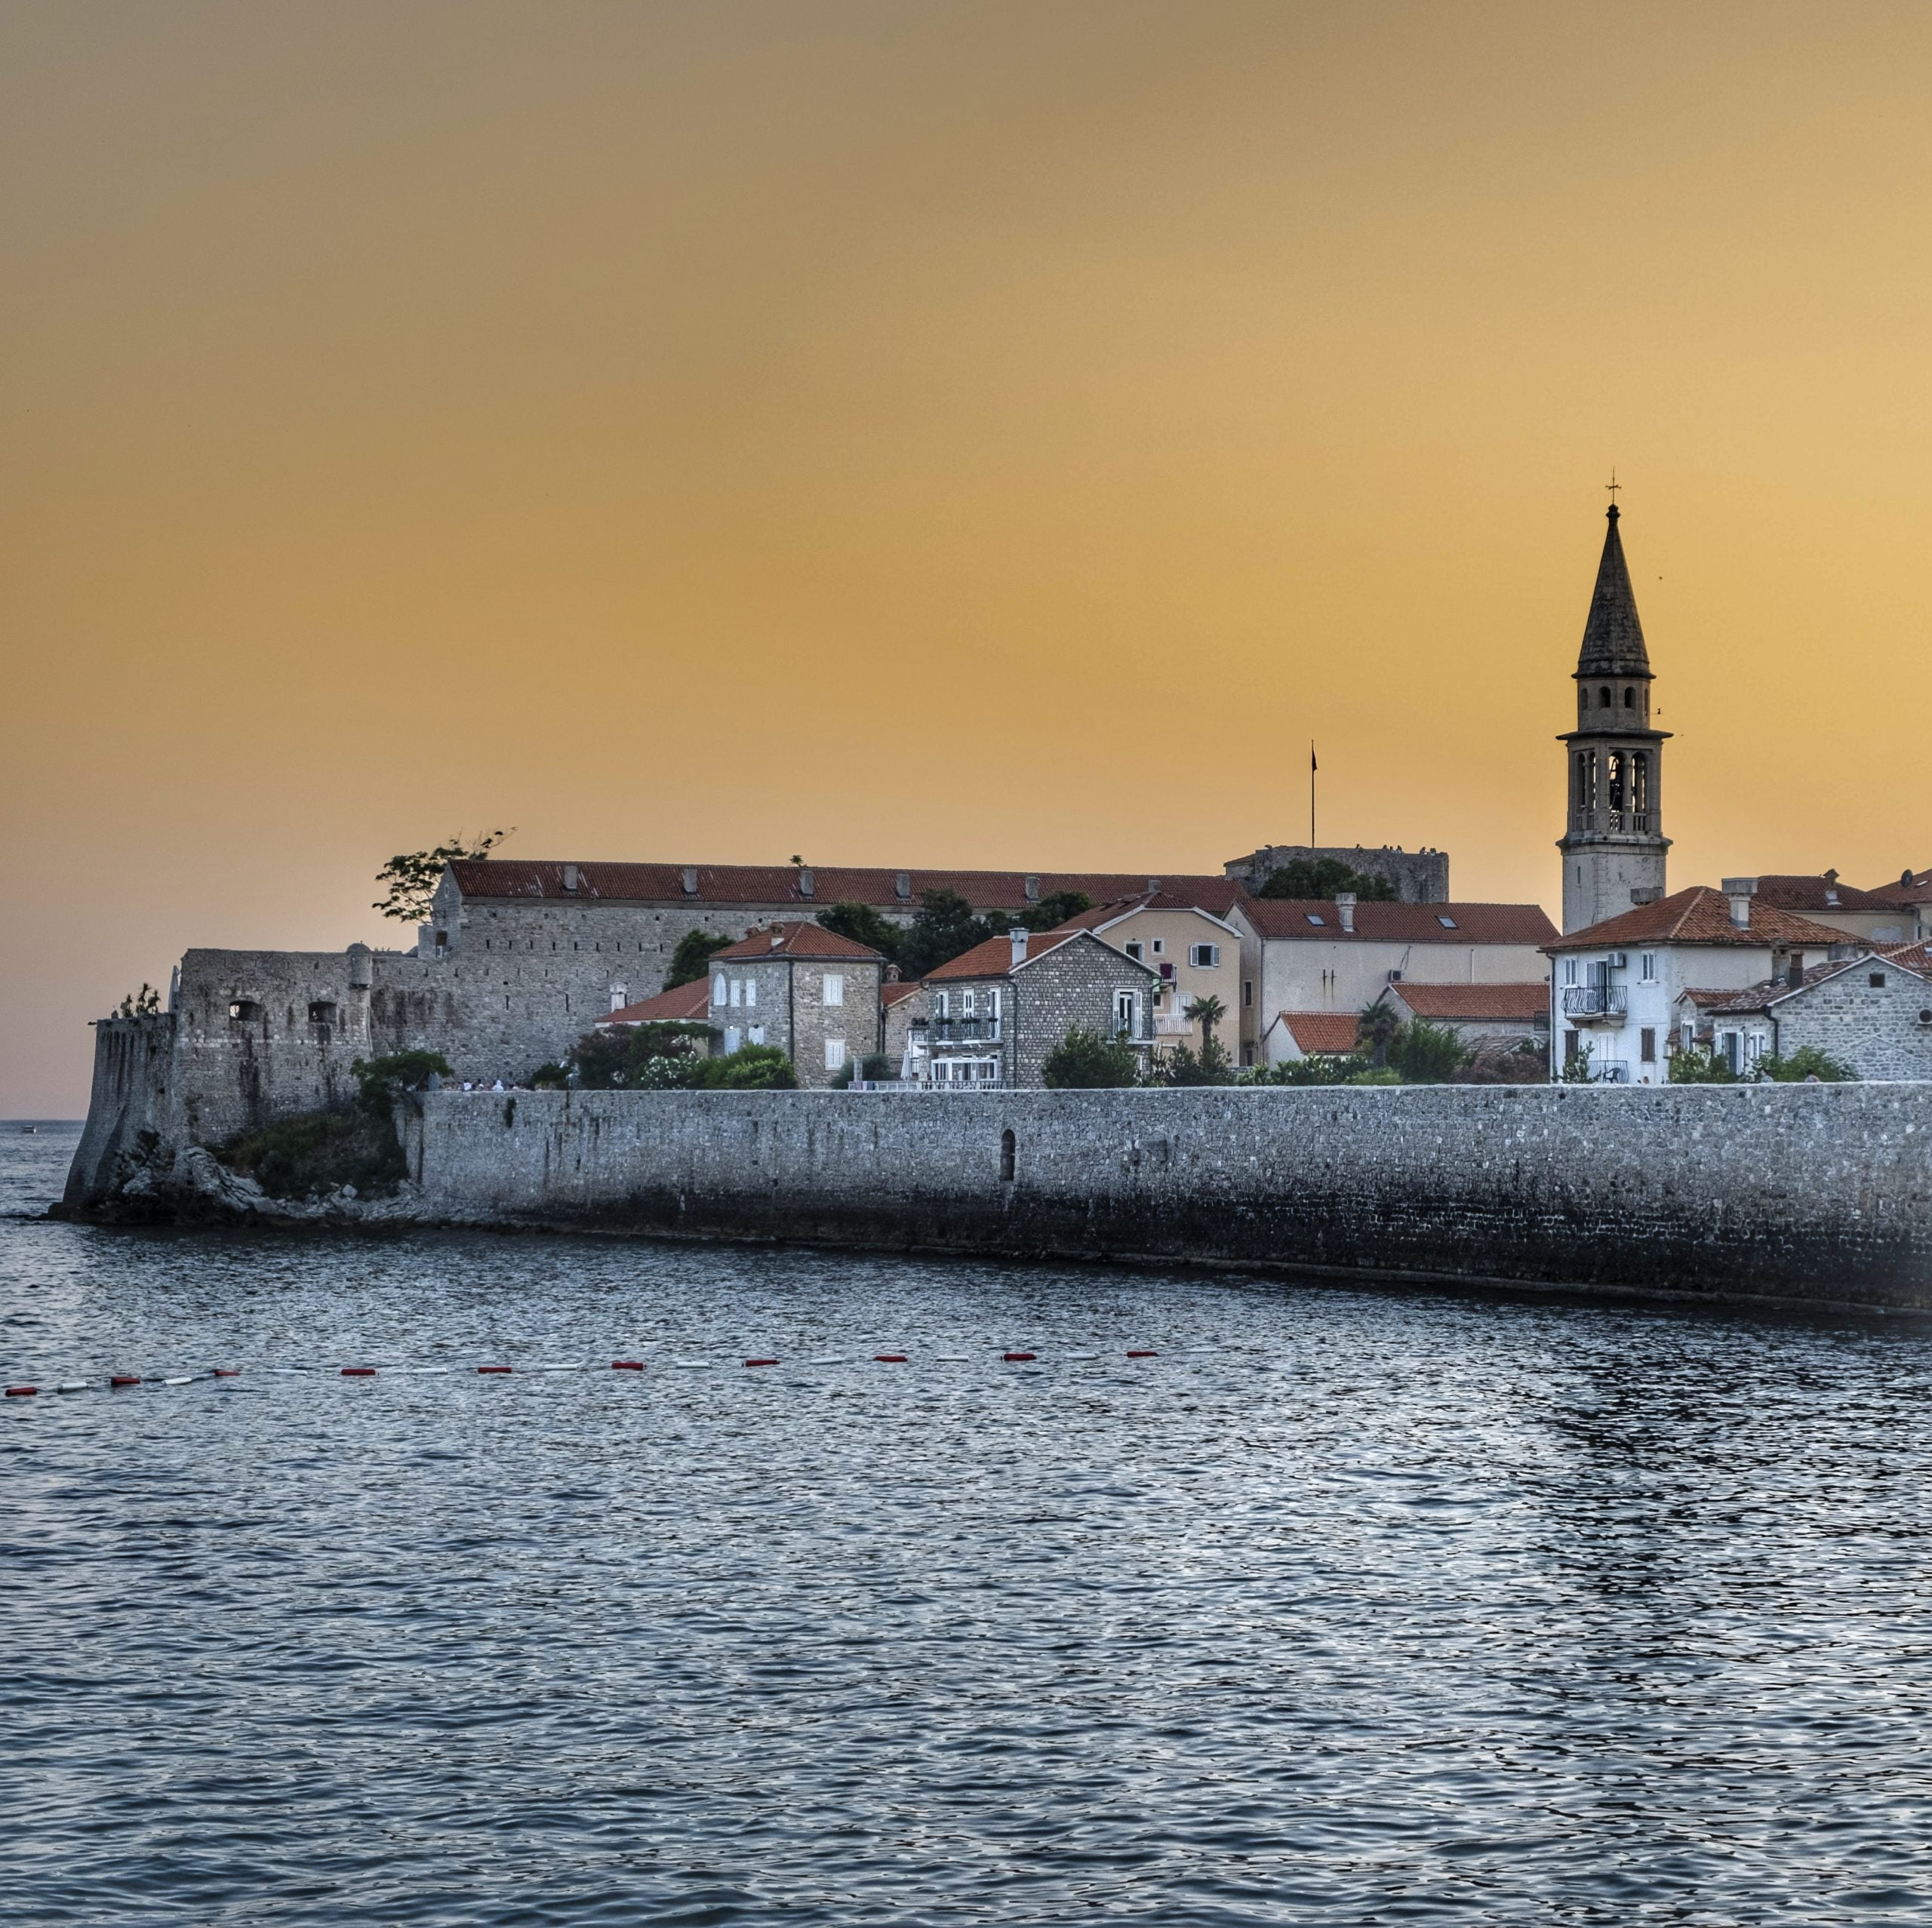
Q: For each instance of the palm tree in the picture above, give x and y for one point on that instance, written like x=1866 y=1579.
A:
x=1206 y=1012
x=1378 y=1027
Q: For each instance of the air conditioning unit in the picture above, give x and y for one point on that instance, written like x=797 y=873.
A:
x=1395 y=977
x=1616 y=961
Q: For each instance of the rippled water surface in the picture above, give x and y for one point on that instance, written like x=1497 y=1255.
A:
x=1352 y=1607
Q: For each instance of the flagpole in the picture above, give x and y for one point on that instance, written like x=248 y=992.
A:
x=1312 y=767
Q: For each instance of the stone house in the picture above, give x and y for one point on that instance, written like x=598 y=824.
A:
x=1868 y=1012
x=813 y=993
x=1911 y=896
x=1618 y=985
x=1488 y=1017
x=994 y=1014
x=1340 y=956
x=1197 y=953
x=902 y=1009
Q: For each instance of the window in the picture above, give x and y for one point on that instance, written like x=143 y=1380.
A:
x=619 y=997
x=719 y=990
x=1448 y=923
x=1205 y=956
x=442 y=940
x=1160 y=946
x=755 y=1035
x=737 y=991
x=1646 y=1047
x=969 y=1003
x=1877 y=980
x=244 y=1011
x=1312 y=918
x=1727 y=1048
x=834 y=987
x=1630 y=698
x=1569 y=970
x=1007 y=1148
x=733 y=1038
x=322 y=1013
x=835 y=1054
x=945 y=1004
x=1125 y=1002
x=750 y=991
x=992 y=1005
x=988 y=1069
x=1248 y=994
x=1603 y=698
x=1133 y=948
x=1649 y=967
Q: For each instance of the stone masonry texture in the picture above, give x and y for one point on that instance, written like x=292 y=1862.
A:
x=1816 y=1194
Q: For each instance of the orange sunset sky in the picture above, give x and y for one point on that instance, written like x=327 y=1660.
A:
x=976 y=434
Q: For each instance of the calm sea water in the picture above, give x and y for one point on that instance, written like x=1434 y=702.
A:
x=1365 y=1607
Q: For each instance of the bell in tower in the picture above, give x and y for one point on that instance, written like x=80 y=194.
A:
x=1614 y=849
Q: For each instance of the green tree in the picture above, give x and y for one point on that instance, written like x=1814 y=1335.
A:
x=1576 y=1064
x=411 y=879
x=1085 y=1060
x=944 y=929
x=1207 y=1012
x=1425 y=1054
x=640 y=1056
x=1318 y=1068
x=1308 y=878
x=1377 y=1028
x=864 y=925
x=144 y=1003
x=1052 y=910
x=1807 y=1062
x=379 y=1080
x=1181 y=1066
x=1690 y=1064
x=751 y=1068
x=692 y=958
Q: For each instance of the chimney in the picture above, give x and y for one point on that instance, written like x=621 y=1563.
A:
x=777 y=939
x=902 y=886
x=1153 y=887
x=570 y=877
x=1345 y=909
x=806 y=885
x=1032 y=890
x=1740 y=890
x=1794 y=973
x=1017 y=936
x=691 y=880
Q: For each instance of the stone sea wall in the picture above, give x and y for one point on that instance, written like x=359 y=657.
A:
x=1819 y=1194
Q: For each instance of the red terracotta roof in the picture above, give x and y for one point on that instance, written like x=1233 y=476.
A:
x=890 y=994
x=1813 y=895
x=1277 y=918
x=682 y=1005
x=1323 y=1033
x=1762 y=996
x=1698 y=915
x=771 y=885
x=1157 y=900
x=1476 y=1004
x=1911 y=957
x=798 y=937
x=1914 y=888
x=994 y=958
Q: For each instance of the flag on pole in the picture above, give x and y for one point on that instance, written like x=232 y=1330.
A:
x=1312 y=765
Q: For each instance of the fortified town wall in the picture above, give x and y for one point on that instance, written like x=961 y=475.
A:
x=1812 y=1194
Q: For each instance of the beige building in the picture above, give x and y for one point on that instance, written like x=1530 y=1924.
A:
x=1197 y=954
x=1869 y=915
x=807 y=990
x=1315 y=955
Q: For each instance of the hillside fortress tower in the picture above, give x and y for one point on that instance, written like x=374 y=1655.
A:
x=1614 y=848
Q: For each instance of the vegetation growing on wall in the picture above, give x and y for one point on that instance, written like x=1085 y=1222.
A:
x=692 y=958
x=945 y=926
x=411 y=878
x=1307 y=877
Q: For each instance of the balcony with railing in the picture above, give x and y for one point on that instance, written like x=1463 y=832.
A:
x=1595 y=1004
x=961 y=1031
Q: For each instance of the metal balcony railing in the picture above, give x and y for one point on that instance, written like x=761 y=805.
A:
x=1607 y=1001
x=962 y=1030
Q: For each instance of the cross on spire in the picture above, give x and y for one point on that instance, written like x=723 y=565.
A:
x=1613 y=485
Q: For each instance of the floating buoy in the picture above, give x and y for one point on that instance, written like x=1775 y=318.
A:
x=1143 y=1355
x=761 y=1362
x=22 y=1391
x=358 y=1371
x=492 y=1369
x=75 y=1386
x=124 y=1379
x=627 y=1365
x=1018 y=1358
x=889 y=1358
x=228 y=1371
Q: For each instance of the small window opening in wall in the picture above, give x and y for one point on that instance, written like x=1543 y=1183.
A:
x=442 y=940
x=1877 y=980
x=1629 y=698
x=244 y=1011
x=1008 y=1147
x=322 y=1013
x=1603 y=698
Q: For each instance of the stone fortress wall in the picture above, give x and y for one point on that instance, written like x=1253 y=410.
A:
x=1420 y=876
x=1815 y=1194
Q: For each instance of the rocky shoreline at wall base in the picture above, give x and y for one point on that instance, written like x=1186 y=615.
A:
x=1815 y=1196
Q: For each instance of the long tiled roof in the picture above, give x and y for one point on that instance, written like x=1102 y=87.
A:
x=1698 y=915
x=890 y=995
x=1321 y=1033
x=1813 y=895
x=1760 y=997
x=994 y=958
x=774 y=885
x=1914 y=888
x=683 y=1004
x=1316 y=919
x=798 y=937
x=1101 y=914
x=1476 y=1004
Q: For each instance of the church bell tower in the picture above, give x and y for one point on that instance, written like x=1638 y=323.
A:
x=1613 y=850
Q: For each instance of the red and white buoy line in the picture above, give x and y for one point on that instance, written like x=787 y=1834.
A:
x=126 y=1381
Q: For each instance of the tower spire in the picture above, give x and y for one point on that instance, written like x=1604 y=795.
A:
x=1613 y=636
